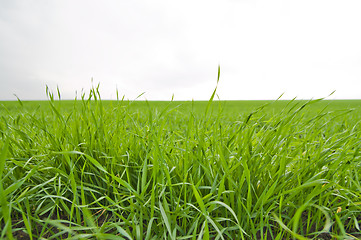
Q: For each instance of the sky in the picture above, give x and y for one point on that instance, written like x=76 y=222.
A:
x=304 y=49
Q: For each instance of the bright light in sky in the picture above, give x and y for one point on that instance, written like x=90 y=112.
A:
x=305 y=49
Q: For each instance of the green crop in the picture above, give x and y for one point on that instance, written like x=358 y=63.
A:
x=94 y=169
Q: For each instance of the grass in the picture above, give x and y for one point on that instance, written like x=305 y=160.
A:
x=94 y=169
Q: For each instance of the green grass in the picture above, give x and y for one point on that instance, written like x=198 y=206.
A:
x=91 y=169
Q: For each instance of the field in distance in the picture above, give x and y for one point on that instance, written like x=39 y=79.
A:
x=228 y=107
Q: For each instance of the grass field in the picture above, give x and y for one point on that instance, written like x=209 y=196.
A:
x=93 y=169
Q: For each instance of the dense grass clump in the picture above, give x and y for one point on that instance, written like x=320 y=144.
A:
x=90 y=169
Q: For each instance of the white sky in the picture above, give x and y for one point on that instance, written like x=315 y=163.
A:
x=303 y=48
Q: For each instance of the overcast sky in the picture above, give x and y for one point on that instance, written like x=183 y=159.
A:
x=305 y=49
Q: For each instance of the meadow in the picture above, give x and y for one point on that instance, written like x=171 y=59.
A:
x=95 y=169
